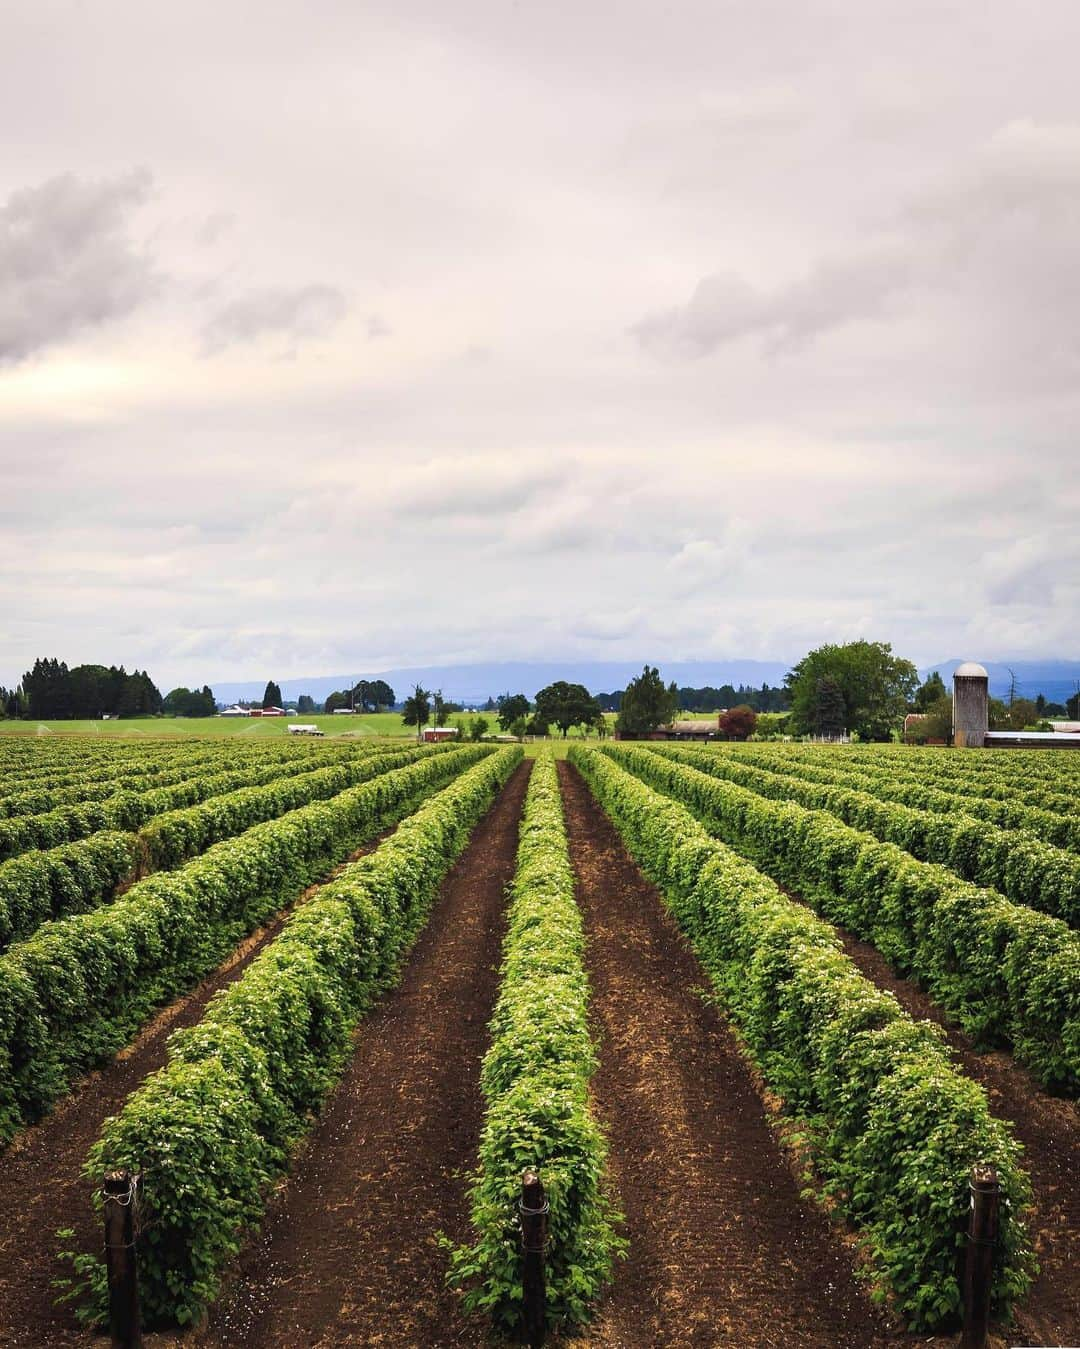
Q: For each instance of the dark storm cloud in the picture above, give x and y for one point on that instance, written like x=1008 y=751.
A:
x=297 y=314
x=67 y=261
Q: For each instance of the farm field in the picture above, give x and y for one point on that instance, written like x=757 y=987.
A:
x=751 y=1011
x=366 y=724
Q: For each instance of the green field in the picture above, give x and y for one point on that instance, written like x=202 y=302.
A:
x=355 y=726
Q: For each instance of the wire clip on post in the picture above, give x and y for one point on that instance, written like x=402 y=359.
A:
x=982 y=1236
x=120 y=1190
x=534 y=1209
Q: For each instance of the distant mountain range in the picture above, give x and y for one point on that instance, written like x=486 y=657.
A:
x=474 y=684
x=1057 y=679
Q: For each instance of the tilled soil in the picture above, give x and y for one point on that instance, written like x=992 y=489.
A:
x=41 y=1188
x=723 y=1252
x=349 y=1254
x=1049 y=1129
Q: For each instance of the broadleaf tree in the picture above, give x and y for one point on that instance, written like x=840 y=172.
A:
x=565 y=705
x=512 y=707
x=875 y=686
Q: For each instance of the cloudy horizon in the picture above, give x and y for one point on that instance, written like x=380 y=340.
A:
x=362 y=337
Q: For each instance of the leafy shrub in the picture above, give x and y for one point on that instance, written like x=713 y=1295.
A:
x=74 y=992
x=894 y=1127
x=535 y=1080
x=212 y=1128
x=978 y=953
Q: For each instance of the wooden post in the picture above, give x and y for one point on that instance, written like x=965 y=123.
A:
x=121 y=1189
x=534 y=1209
x=978 y=1272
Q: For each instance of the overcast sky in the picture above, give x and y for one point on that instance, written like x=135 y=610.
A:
x=342 y=336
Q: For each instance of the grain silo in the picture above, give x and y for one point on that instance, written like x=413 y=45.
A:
x=971 y=705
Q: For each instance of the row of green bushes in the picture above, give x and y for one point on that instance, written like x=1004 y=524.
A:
x=130 y=809
x=535 y=1081
x=1008 y=974
x=1014 y=861
x=86 y=762
x=144 y=776
x=216 y=1124
x=39 y=885
x=75 y=992
x=894 y=1128
x=1014 y=770
x=171 y=839
x=897 y=783
x=993 y=784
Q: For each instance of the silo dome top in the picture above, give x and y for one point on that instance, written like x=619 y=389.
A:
x=970 y=670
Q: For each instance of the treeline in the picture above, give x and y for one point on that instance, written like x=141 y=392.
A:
x=367 y=695
x=52 y=692
x=710 y=699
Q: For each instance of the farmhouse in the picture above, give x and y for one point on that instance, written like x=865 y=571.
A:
x=233 y=712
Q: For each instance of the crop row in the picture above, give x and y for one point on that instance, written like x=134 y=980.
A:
x=896 y=782
x=108 y=761
x=141 y=776
x=1018 y=768
x=40 y=885
x=216 y=1124
x=1015 y=862
x=955 y=777
x=130 y=809
x=1009 y=974
x=535 y=1081
x=895 y=1128
x=74 y=992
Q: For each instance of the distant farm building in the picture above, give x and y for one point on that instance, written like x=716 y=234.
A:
x=234 y=712
x=685 y=730
x=434 y=734
x=269 y=712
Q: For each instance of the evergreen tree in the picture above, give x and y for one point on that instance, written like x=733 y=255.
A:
x=417 y=709
x=272 y=696
x=646 y=704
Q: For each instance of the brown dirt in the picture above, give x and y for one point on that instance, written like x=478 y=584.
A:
x=348 y=1254
x=722 y=1249
x=41 y=1188
x=1049 y=1129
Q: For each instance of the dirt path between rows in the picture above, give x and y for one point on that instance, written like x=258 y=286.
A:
x=1049 y=1129
x=722 y=1250
x=41 y=1188
x=348 y=1254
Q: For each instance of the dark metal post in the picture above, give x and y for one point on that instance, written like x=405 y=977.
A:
x=534 y=1210
x=121 y=1190
x=978 y=1272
